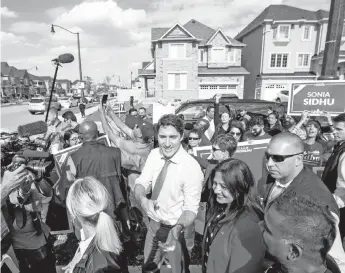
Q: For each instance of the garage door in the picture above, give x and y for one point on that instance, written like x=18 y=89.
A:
x=207 y=91
x=270 y=91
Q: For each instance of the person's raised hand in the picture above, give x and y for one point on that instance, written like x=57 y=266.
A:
x=305 y=116
x=12 y=180
x=218 y=97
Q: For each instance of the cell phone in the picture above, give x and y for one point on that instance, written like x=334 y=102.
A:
x=104 y=99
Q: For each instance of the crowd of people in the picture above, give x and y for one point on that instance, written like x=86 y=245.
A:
x=151 y=180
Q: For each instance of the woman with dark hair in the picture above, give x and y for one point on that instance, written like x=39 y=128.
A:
x=232 y=238
x=274 y=127
x=313 y=144
x=71 y=138
x=236 y=130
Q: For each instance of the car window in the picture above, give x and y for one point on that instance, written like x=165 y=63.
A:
x=193 y=112
x=36 y=100
x=285 y=92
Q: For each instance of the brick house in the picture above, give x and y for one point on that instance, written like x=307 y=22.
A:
x=14 y=82
x=284 y=44
x=193 y=61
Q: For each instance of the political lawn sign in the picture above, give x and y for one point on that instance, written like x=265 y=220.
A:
x=58 y=218
x=317 y=97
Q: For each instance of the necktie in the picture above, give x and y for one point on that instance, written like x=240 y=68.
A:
x=160 y=180
x=275 y=192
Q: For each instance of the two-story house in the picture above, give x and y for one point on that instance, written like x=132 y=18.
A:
x=65 y=86
x=14 y=82
x=193 y=61
x=284 y=45
x=38 y=85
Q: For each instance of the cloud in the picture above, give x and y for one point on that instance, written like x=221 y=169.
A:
x=30 y=27
x=5 y=12
x=103 y=13
x=8 y=38
x=55 y=12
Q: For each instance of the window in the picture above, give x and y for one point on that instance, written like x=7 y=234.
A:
x=177 y=51
x=202 y=55
x=177 y=81
x=218 y=54
x=306 y=34
x=303 y=60
x=231 y=55
x=281 y=33
x=279 y=60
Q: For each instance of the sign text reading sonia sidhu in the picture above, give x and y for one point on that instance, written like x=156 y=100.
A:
x=317 y=97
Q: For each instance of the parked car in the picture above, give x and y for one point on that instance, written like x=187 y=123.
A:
x=5 y=99
x=37 y=105
x=68 y=102
x=89 y=99
x=282 y=96
x=196 y=109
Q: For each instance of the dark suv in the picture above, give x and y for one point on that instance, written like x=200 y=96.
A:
x=196 y=109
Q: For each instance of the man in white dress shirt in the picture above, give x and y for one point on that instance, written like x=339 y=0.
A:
x=210 y=118
x=176 y=180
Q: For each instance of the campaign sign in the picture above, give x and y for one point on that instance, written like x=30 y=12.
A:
x=317 y=97
x=250 y=152
x=58 y=218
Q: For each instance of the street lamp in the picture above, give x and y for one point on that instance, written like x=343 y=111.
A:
x=75 y=33
x=36 y=68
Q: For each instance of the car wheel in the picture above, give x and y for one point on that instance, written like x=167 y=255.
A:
x=32 y=112
x=278 y=100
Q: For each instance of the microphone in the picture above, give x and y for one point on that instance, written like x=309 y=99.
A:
x=64 y=58
x=31 y=129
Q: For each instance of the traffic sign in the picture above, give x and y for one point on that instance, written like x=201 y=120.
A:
x=317 y=97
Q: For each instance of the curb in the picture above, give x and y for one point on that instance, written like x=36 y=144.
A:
x=13 y=104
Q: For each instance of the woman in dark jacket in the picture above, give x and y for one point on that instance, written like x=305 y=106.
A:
x=100 y=249
x=274 y=127
x=232 y=239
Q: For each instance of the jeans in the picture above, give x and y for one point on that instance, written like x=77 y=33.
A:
x=154 y=256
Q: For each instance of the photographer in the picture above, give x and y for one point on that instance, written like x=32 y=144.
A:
x=23 y=212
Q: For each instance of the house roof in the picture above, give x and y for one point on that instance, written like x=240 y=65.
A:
x=20 y=73
x=75 y=82
x=45 y=78
x=144 y=64
x=34 y=77
x=5 y=68
x=63 y=80
x=282 y=13
x=146 y=72
x=197 y=29
x=227 y=70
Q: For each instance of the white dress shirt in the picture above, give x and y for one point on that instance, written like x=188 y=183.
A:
x=182 y=186
x=210 y=131
x=277 y=190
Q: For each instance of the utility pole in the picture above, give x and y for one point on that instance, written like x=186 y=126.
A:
x=333 y=40
x=131 y=80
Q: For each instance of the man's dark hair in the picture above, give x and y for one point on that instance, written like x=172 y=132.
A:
x=195 y=131
x=171 y=120
x=132 y=110
x=209 y=108
x=142 y=108
x=227 y=142
x=258 y=120
x=308 y=224
x=205 y=124
x=339 y=118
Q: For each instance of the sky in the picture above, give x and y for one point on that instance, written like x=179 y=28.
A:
x=114 y=34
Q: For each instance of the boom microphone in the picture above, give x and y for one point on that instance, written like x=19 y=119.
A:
x=65 y=58
x=31 y=129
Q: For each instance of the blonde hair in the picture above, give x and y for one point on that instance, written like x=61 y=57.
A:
x=87 y=201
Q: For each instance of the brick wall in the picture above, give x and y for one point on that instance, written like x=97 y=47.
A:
x=164 y=65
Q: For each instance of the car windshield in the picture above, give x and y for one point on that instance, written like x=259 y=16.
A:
x=36 y=100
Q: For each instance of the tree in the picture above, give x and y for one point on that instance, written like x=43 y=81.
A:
x=106 y=83
x=88 y=84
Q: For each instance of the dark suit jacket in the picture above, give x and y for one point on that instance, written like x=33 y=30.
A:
x=305 y=183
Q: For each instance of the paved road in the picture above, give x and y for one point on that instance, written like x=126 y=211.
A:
x=13 y=116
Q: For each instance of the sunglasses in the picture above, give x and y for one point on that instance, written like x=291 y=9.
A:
x=235 y=134
x=193 y=138
x=279 y=158
x=214 y=149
